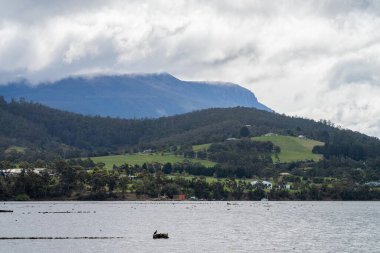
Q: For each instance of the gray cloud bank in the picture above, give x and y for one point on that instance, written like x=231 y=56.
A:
x=318 y=59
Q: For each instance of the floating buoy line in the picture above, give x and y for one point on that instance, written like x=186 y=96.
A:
x=61 y=238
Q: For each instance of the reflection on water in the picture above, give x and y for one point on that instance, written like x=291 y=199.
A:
x=192 y=226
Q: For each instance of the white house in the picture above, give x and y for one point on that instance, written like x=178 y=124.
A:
x=284 y=187
x=18 y=170
x=39 y=170
x=267 y=184
x=373 y=184
x=13 y=171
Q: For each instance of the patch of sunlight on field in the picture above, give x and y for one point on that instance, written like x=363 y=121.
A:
x=201 y=147
x=15 y=148
x=293 y=148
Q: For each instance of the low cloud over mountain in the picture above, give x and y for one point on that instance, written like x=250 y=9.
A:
x=317 y=59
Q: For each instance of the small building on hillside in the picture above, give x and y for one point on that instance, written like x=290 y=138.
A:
x=15 y=171
x=131 y=176
x=266 y=184
x=231 y=139
x=302 y=136
x=373 y=184
x=39 y=170
x=284 y=186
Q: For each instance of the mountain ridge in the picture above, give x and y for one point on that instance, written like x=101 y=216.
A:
x=133 y=95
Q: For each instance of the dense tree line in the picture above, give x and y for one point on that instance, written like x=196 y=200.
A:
x=245 y=157
x=66 y=180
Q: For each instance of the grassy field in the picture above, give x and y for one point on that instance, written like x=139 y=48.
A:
x=190 y=177
x=145 y=158
x=15 y=148
x=201 y=147
x=209 y=179
x=293 y=148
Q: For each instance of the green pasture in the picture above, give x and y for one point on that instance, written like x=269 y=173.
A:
x=201 y=147
x=293 y=148
x=140 y=159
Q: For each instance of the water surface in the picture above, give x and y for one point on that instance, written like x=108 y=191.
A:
x=193 y=226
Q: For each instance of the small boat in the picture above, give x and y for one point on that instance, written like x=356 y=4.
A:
x=160 y=235
x=6 y=211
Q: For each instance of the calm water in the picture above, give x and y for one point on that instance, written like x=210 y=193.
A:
x=193 y=226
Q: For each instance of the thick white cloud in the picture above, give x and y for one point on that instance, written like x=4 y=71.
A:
x=317 y=59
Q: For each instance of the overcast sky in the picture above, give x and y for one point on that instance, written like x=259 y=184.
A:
x=316 y=59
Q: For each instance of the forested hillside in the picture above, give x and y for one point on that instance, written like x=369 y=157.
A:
x=49 y=132
x=209 y=154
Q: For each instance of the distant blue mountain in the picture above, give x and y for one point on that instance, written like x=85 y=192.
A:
x=132 y=96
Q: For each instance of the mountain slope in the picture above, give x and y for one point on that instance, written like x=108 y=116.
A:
x=133 y=96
